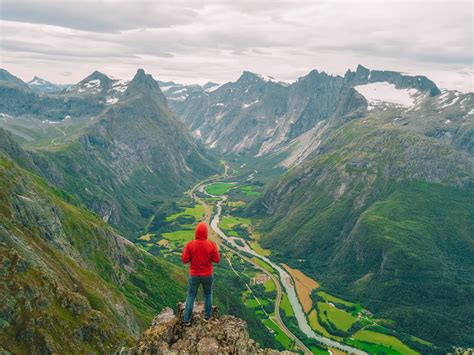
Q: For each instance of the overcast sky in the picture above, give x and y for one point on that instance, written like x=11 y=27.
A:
x=196 y=41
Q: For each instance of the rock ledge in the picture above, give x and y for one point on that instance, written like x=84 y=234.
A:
x=220 y=335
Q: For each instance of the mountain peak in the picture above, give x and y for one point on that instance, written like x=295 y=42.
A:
x=220 y=335
x=97 y=75
x=247 y=75
x=145 y=80
x=362 y=69
x=144 y=84
x=10 y=78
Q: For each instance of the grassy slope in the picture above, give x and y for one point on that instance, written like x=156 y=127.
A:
x=75 y=274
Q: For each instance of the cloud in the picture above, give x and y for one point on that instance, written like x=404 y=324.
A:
x=195 y=42
x=97 y=16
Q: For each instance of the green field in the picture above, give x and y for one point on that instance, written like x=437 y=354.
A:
x=281 y=337
x=329 y=298
x=248 y=190
x=228 y=222
x=384 y=340
x=341 y=319
x=219 y=188
x=371 y=348
x=197 y=212
x=256 y=246
x=317 y=351
x=179 y=236
x=269 y=286
x=253 y=303
x=286 y=306
x=314 y=323
x=263 y=264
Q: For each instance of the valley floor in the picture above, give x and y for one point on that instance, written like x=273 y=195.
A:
x=292 y=306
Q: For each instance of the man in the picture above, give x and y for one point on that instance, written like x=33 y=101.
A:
x=202 y=253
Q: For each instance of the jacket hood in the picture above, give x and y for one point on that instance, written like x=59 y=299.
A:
x=201 y=231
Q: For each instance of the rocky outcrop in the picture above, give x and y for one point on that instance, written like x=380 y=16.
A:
x=220 y=335
x=362 y=76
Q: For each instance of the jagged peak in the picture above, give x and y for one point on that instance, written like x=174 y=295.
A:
x=143 y=80
x=361 y=68
x=248 y=75
x=222 y=335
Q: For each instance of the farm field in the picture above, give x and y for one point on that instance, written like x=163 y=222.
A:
x=179 y=236
x=341 y=319
x=304 y=286
x=384 y=340
x=218 y=189
x=197 y=212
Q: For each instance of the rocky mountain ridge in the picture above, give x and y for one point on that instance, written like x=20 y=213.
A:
x=109 y=155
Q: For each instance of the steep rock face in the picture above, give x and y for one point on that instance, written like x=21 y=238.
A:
x=257 y=115
x=221 y=335
x=68 y=281
x=363 y=75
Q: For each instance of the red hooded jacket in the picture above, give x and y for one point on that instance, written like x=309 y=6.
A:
x=201 y=252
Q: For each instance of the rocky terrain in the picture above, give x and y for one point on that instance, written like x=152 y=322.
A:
x=220 y=335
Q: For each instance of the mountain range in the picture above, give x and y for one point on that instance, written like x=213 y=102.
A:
x=375 y=198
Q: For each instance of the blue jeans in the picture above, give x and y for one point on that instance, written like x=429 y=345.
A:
x=193 y=286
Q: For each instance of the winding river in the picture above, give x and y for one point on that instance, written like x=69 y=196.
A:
x=285 y=279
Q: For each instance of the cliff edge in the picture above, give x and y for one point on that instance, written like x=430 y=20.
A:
x=222 y=335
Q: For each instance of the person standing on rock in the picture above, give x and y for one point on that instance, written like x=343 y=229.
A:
x=201 y=252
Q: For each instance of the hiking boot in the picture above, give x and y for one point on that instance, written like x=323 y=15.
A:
x=187 y=323
x=207 y=319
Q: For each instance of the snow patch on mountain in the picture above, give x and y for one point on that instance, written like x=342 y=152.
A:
x=250 y=104
x=379 y=92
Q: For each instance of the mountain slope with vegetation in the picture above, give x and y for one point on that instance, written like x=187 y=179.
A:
x=70 y=283
x=383 y=215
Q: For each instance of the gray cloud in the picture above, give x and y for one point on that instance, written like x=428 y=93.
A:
x=192 y=42
x=96 y=16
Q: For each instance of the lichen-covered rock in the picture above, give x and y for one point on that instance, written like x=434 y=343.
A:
x=219 y=335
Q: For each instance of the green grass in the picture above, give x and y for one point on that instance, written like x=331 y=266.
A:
x=330 y=298
x=318 y=351
x=248 y=190
x=269 y=286
x=341 y=319
x=256 y=246
x=384 y=340
x=228 y=222
x=281 y=337
x=263 y=264
x=285 y=305
x=421 y=341
x=197 y=212
x=179 y=236
x=372 y=348
x=219 y=188
x=251 y=303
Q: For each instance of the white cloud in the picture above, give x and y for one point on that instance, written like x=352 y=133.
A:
x=189 y=42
